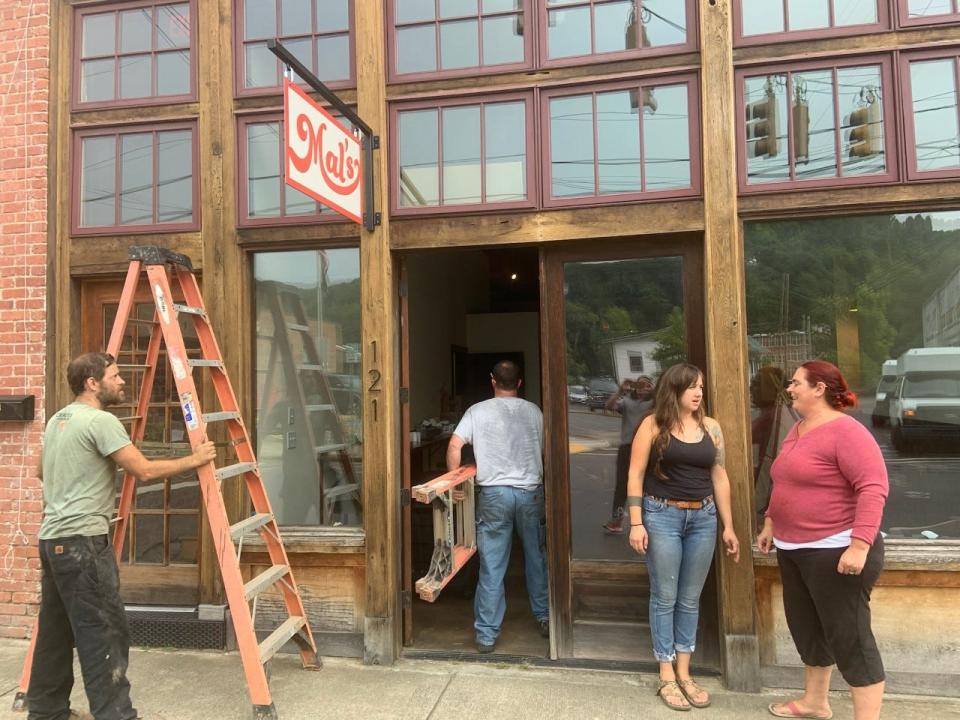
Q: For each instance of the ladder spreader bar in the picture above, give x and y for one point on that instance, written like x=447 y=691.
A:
x=218 y=416
x=188 y=309
x=204 y=362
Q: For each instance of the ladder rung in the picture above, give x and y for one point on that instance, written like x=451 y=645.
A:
x=203 y=362
x=142 y=321
x=298 y=326
x=321 y=449
x=317 y=408
x=290 y=627
x=238 y=530
x=188 y=309
x=310 y=368
x=129 y=418
x=264 y=580
x=218 y=416
x=232 y=470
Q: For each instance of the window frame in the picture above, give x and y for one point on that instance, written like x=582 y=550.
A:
x=533 y=195
x=909 y=130
x=904 y=21
x=692 y=81
x=740 y=40
x=243 y=218
x=394 y=76
x=691 y=45
x=239 y=59
x=80 y=12
x=117 y=131
x=891 y=124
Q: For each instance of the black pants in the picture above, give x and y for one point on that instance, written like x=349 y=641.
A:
x=620 y=492
x=80 y=606
x=829 y=614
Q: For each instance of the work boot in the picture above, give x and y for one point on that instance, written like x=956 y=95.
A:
x=484 y=648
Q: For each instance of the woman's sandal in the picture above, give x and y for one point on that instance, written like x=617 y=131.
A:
x=691 y=690
x=673 y=697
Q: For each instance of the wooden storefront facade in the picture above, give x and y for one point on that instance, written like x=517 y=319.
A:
x=355 y=575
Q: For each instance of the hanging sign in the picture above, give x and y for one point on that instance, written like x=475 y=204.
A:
x=322 y=154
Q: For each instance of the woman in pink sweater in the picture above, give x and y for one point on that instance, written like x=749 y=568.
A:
x=829 y=488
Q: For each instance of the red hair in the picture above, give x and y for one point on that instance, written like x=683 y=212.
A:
x=838 y=394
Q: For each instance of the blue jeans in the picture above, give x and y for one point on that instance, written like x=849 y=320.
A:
x=500 y=510
x=678 y=559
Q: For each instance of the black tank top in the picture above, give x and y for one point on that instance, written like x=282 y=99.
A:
x=687 y=467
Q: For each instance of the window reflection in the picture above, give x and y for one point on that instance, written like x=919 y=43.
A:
x=933 y=90
x=584 y=27
x=884 y=305
x=763 y=17
x=308 y=393
x=929 y=8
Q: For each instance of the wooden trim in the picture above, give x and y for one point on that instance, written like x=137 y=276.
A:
x=909 y=197
x=406 y=479
x=107 y=255
x=102 y=118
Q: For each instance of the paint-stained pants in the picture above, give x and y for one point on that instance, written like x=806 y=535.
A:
x=80 y=607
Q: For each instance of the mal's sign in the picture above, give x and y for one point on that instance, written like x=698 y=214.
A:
x=323 y=155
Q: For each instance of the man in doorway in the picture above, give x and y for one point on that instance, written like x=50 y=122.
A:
x=634 y=401
x=80 y=601
x=507 y=437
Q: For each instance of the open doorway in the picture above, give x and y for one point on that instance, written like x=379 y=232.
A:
x=465 y=311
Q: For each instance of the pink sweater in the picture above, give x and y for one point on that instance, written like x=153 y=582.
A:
x=830 y=480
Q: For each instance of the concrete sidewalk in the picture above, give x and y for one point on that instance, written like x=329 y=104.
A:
x=187 y=685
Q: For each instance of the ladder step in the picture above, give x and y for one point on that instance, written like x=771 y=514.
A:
x=232 y=470
x=318 y=408
x=218 y=416
x=264 y=580
x=238 y=530
x=310 y=368
x=189 y=309
x=321 y=449
x=129 y=418
x=141 y=321
x=203 y=362
x=127 y=366
x=298 y=327
x=290 y=627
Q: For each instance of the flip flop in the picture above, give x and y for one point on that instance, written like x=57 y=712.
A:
x=795 y=712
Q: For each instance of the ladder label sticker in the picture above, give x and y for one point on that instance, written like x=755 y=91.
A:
x=186 y=400
x=161 y=303
x=176 y=364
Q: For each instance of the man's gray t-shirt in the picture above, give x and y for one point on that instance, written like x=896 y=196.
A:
x=78 y=474
x=632 y=413
x=507 y=438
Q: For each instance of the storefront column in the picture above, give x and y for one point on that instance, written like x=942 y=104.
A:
x=381 y=421
x=726 y=341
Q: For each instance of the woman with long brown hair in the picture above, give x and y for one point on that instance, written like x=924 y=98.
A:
x=676 y=488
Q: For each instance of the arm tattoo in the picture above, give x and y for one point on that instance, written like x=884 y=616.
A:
x=717 y=436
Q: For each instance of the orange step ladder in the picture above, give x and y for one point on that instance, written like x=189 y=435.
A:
x=161 y=267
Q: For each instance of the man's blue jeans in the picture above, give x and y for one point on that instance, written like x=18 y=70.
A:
x=500 y=510
x=678 y=560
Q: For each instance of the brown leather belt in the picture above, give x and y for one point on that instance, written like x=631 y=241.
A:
x=684 y=504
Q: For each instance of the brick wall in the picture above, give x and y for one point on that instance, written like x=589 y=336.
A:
x=24 y=56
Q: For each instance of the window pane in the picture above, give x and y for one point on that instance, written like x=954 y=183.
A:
x=184 y=539
x=333 y=58
x=419 y=179
x=666 y=138
x=491 y=6
x=295 y=17
x=136 y=179
x=149 y=495
x=854 y=12
x=808 y=14
x=457 y=8
x=302 y=50
x=414 y=10
x=568 y=32
x=175 y=194
x=416 y=49
x=461 y=155
x=98 y=165
x=135 y=76
x=571 y=146
x=862 y=143
x=173 y=26
x=505 y=149
x=297 y=203
x=760 y=17
x=259 y=19
x=261 y=66
x=459 y=45
x=173 y=73
x=263 y=169
x=618 y=142
x=615 y=26
x=148 y=539
x=99 y=34
x=765 y=102
x=96 y=80
x=814 y=130
x=503 y=40
x=135 y=30
x=888 y=292
x=664 y=22
x=310 y=459
x=926 y=8
x=332 y=15
x=934 y=89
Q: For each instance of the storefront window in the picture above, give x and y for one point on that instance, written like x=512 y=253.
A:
x=816 y=125
x=308 y=393
x=880 y=297
x=778 y=17
x=932 y=122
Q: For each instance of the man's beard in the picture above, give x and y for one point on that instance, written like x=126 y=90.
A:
x=106 y=399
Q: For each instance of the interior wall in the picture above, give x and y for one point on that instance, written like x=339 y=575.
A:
x=510 y=332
